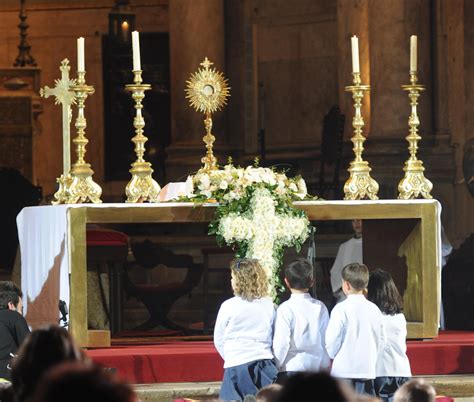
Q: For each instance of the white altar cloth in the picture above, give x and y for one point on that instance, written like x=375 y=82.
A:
x=42 y=234
x=43 y=237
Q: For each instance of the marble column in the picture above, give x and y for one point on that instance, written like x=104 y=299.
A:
x=196 y=31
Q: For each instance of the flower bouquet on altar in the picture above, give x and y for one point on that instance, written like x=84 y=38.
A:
x=255 y=214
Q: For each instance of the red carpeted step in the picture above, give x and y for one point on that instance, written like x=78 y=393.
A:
x=450 y=353
x=167 y=362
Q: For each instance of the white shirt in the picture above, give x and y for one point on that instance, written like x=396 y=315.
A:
x=355 y=338
x=348 y=252
x=300 y=330
x=244 y=329
x=393 y=361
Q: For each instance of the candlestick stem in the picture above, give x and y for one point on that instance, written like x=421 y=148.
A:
x=142 y=187
x=82 y=188
x=414 y=184
x=359 y=185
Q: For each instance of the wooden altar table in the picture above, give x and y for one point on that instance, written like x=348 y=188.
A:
x=64 y=227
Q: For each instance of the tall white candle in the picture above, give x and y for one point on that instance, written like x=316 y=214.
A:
x=355 y=54
x=136 y=51
x=413 y=53
x=81 y=64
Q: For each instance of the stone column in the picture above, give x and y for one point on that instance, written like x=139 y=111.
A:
x=392 y=22
x=196 y=31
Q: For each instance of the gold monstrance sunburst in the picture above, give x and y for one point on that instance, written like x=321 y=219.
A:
x=207 y=92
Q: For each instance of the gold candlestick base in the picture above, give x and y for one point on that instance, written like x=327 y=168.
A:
x=82 y=188
x=360 y=184
x=142 y=187
x=414 y=184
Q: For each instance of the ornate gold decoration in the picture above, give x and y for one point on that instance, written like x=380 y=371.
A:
x=141 y=187
x=207 y=92
x=359 y=185
x=64 y=96
x=82 y=188
x=414 y=184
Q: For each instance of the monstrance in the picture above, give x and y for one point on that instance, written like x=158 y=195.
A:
x=207 y=92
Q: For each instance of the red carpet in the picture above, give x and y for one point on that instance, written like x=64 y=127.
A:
x=450 y=353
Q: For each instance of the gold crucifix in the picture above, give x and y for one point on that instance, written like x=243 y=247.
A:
x=64 y=96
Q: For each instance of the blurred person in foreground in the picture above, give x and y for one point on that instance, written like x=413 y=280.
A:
x=79 y=382
x=416 y=390
x=43 y=349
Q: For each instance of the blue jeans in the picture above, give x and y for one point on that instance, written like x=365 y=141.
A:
x=247 y=379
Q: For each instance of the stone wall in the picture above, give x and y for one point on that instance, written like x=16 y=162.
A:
x=287 y=64
x=54 y=28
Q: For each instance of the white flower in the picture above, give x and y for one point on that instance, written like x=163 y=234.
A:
x=204 y=182
x=223 y=185
x=293 y=187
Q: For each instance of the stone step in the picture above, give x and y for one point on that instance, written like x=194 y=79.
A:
x=459 y=387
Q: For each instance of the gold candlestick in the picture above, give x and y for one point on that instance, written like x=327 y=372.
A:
x=141 y=187
x=207 y=92
x=359 y=185
x=82 y=188
x=414 y=183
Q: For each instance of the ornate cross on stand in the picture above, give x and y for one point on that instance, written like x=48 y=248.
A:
x=64 y=96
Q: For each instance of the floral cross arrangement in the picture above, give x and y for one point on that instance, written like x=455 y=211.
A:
x=255 y=214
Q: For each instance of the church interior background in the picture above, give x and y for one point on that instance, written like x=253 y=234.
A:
x=287 y=63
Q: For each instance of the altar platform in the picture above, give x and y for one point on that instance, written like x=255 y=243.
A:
x=53 y=247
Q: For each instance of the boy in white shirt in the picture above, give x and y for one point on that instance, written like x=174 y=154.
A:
x=300 y=325
x=355 y=334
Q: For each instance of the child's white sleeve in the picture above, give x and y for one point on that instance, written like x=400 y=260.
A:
x=325 y=360
x=219 y=329
x=334 y=332
x=281 y=336
x=383 y=336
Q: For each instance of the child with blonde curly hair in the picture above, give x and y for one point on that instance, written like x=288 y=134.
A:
x=243 y=332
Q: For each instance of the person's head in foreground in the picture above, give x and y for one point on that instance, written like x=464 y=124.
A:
x=383 y=292
x=270 y=393
x=10 y=297
x=416 y=390
x=42 y=349
x=305 y=386
x=355 y=278
x=249 y=280
x=299 y=275
x=78 y=382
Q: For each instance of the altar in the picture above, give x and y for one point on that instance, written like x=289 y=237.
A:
x=55 y=236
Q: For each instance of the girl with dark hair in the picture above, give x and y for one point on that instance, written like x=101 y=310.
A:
x=393 y=366
x=43 y=349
